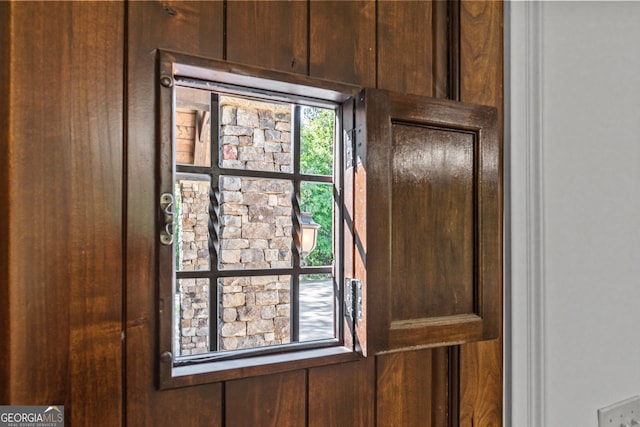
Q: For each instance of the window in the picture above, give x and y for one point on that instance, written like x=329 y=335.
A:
x=253 y=268
x=304 y=222
x=252 y=228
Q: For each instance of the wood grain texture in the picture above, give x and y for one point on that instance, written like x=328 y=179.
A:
x=271 y=34
x=67 y=163
x=342 y=395
x=433 y=222
x=6 y=26
x=197 y=28
x=405 y=47
x=433 y=273
x=441 y=48
x=412 y=388
x=342 y=41
x=481 y=76
x=271 y=401
x=65 y=281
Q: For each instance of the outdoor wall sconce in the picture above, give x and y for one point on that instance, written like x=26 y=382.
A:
x=309 y=233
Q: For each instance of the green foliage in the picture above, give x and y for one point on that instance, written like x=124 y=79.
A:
x=317 y=133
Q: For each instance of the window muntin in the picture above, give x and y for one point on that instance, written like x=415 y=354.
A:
x=246 y=168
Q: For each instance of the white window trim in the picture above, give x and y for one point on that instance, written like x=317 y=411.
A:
x=525 y=349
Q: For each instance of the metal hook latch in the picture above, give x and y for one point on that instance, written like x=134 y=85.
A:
x=166 y=206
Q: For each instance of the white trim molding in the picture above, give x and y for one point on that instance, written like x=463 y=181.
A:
x=525 y=342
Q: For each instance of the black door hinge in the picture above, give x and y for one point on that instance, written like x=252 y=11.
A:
x=353 y=299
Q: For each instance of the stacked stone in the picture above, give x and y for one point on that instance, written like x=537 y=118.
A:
x=255 y=312
x=194 y=313
x=193 y=254
x=255 y=224
x=194 y=225
x=255 y=135
x=255 y=232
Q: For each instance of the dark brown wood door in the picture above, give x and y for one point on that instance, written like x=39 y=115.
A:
x=79 y=244
x=409 y=47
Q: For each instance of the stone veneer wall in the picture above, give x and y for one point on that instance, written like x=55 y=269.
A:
x=255 y=231
x=193 y=254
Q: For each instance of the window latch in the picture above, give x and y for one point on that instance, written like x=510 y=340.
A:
x=166 y=206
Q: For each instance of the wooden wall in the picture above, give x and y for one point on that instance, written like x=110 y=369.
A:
x=78 y=166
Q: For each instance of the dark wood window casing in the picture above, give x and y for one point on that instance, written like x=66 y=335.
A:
x=414 y=168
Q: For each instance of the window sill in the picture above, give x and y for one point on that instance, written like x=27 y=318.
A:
x=223 y=370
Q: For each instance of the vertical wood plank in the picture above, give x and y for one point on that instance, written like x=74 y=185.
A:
x=411 y=388
x=270 y=34
x=95 y=260
x=65 y=251
x=481 y=78
x=342 y=395
x=342 y=43
x=6 y=26
x=271 y=401
x=195 y=28
x=441 y=48
x=405 y=46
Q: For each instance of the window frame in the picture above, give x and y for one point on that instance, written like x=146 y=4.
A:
x=377 y=323
x=288 y=87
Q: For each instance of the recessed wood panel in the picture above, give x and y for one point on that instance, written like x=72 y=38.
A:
x=433 y=177
x=432 y=230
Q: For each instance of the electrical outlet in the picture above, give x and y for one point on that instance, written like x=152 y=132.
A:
x=622 y=414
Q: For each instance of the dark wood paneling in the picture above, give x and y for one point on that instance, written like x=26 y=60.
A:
x=278 y=400
x=433 y=222
x=271 y=34
x=441 y=48
x=413 y=57
x=442 y=185
x=196 y=28
x=405 y=46
x=342 y=395
x=481 y=79
x=95 y=259
x=6 y=25
x=342 y=42
x=62 y=249
x=65 y=222
x=412 y=388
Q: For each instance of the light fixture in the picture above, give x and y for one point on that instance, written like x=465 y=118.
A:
x=309 y=233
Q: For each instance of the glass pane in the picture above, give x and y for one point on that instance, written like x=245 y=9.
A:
x=193 y=126
x=317 y=134
x=192 y=317
x=255 y=223
x=317 y=303
x=317 y=200
x=255 y=135
x=191 y=227
x=254 y=312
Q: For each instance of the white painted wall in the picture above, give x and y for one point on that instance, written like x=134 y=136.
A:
x=575 y=210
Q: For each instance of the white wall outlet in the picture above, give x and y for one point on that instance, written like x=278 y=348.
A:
x=622 y=414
